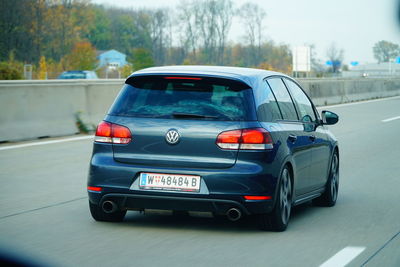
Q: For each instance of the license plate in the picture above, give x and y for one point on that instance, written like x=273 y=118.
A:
x=169 y=182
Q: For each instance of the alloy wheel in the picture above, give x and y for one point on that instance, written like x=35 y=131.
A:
x=285 y=196
x=334 y=177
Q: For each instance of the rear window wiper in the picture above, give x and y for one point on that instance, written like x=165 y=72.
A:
x=190 y=115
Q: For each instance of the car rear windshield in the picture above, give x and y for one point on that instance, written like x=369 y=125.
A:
x=185 y=97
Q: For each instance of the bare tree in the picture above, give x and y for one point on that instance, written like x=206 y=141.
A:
x=252 y=16
x=205 y=25
x=207 y=29
x=160 y=34
x=224 y=22
x=335 y=57
x=188 y=18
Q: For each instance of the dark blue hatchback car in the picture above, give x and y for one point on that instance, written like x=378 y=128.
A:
x=231 y=141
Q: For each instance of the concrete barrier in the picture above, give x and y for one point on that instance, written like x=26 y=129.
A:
x=336 y=91
x=33 y=109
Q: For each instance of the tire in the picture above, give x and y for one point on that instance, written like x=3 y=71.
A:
x=329 y=197
x=278 y=219
x=99 y=215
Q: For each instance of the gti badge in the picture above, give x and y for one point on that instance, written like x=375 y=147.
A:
x=172 y=137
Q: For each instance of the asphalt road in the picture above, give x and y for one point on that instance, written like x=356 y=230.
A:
x=44 y=212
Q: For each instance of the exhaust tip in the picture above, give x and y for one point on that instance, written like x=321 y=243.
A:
x=233 y=214
x=109 y=206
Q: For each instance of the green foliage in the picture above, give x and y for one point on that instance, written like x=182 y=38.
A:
x=385 y=51
x=99 y=32
x=11 y=69
x=38 y=28
x=82 y=57
x=67 y=33
x=126 y=70
x=82 y=127
x=141 y=58
x=8 y=72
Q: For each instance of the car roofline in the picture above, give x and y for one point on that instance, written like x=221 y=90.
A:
x=248 y=76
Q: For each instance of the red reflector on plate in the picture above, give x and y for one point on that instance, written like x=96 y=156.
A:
x=94 y=188
x=257 y=197
x=182 y=78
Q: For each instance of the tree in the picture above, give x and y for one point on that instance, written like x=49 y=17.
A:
x=335 y=57
x=14 y=29
x=100 y=34
x=252 y=16
x=160 y=35
x=42 y=70
x=82 y=57
x=214 y=22
x=141 y=58
x=126 y=70
x=279 y=57
x=188 y=18
x=38 y=28
x=224 y=22
x=205 y=26
x=67 y=24
x=385 y=51
x=8 y=72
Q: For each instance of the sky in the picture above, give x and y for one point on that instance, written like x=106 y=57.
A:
x=353 y=25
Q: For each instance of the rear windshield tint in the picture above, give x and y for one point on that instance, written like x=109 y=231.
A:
x=185 y=98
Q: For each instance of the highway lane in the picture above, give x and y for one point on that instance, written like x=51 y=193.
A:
x=44 y=213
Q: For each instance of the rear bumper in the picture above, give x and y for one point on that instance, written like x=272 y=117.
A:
x=218 y=206
x=254 y=174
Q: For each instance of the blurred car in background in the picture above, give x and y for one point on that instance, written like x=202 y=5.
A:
x=78 y=74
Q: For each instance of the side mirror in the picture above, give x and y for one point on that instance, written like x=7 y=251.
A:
x=329 y=118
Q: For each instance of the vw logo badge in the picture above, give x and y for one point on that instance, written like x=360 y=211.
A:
x=172 y=137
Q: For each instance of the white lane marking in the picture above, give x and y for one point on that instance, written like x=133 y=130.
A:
x=47 y=142
x=391 y=119
x=343 y=257
x=359 y=102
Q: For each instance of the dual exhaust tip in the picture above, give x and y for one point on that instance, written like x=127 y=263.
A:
x=109 y=206
x=233 y=214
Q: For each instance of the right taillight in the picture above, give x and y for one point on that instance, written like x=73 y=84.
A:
x=246 y=139
x=107 y=132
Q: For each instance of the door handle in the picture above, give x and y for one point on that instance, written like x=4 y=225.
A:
x=312 y=137
x=292 y=138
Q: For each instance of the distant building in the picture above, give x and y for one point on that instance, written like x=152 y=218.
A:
x=373 y=70
x=111 y=58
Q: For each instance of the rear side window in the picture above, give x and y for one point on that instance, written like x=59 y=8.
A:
x=185 y=97
x=303 y=103
x=268 y=110
x=283 y=98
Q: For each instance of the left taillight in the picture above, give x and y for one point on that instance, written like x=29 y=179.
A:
x=107 y=132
